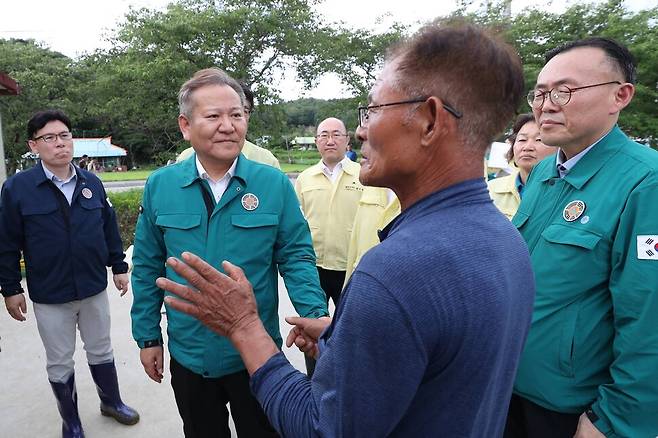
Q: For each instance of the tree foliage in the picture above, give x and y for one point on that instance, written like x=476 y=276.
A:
x=534 y=32
x=44 y=78
x=130 y=90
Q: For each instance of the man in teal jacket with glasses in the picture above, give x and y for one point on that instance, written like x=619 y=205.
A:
x=590 y=219
x=222 y=206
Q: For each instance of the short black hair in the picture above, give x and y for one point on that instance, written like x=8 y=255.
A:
x=248 y=94
x=42 y=118
x=621 y=57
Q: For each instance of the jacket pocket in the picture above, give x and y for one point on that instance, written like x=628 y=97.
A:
x=567 y=346
x=180 y=221
x=251 y=241
x=92 y=211
x=519 y=219
x=43 y=224
x=254 y=220
x=561 y=234
x=91 y=204
x=314 y=187
x=574 y=255
x=38 y=209
x=178 y=230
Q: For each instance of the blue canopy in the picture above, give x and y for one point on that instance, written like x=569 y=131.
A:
x=96 y=148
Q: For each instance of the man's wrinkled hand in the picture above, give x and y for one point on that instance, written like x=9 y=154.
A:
x=16 y=306
x=224 y=303
x=121 y=282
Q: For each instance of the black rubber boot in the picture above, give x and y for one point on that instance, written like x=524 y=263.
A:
x=67 y=403
x=107 y=385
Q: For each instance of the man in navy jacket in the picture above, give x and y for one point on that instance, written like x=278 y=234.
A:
x=59 y=217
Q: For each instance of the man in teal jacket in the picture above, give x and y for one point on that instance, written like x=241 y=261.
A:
x=224 y=207
x=590 y=218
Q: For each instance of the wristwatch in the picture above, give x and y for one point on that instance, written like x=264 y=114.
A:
x=152 y=343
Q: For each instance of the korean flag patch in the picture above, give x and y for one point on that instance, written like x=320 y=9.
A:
x=647 y=247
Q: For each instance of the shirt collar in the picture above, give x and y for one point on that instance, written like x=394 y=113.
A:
x=337 y=168
x=52 y=177
x=591 y=162
x=204 y=175
x=565 y=166
x=519 y=184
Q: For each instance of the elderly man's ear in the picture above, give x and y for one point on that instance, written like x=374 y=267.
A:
x=436 y=122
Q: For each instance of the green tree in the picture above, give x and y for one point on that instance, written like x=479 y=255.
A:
x=356 y=55
x=534 y=32
x=45 y=78
x=156 y=51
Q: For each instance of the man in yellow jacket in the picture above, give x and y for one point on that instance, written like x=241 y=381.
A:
x=329 y=194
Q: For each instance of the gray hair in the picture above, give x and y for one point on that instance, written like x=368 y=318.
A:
x=202 y=78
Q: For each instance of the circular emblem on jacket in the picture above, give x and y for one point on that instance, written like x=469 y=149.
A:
x=86 y=193
x=250 y=201
x=573 y=210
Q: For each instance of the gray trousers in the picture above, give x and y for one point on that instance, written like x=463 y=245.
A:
x=57 y=324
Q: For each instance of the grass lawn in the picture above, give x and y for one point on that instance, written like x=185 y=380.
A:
x=295 y=167
x=137 y=175
x=131 y=175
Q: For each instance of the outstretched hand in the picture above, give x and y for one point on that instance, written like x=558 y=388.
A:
x=224 y=303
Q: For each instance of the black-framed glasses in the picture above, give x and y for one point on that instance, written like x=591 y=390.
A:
x=364 y=111
x=49 y=138
x=560 y=95
x=324 y=136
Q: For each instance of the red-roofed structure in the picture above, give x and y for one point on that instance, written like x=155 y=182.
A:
x=8 y=87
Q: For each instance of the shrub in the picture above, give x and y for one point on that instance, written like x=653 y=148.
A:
x=126 y=205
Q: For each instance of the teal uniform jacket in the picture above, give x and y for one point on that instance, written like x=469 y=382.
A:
x=272 y=236
x=594 y=335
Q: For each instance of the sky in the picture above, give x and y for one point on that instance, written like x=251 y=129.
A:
x=76 y=27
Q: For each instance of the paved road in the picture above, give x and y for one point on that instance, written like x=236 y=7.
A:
x=27 y=405
x=120 y=186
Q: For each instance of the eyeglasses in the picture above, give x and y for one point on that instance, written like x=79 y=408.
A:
x=324 y=136
x=559 y=95
x=49 y=138
x=364 y=111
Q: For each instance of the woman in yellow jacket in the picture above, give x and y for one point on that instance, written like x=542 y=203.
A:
x=526 y=151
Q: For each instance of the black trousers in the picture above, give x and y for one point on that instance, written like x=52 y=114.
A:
x=331 y=283
x=202 y=405
x=526 y=419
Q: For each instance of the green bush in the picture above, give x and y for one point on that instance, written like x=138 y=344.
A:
x=297 y=156
x=126 y=205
